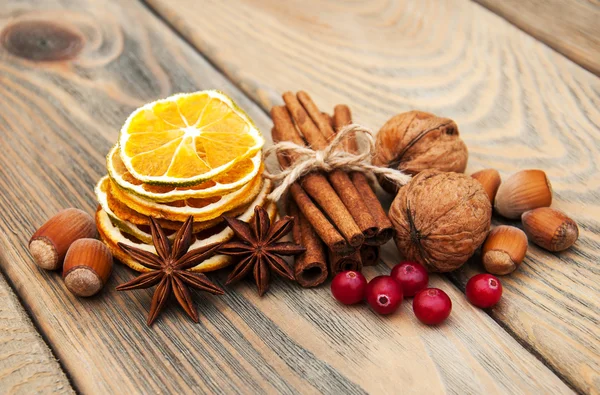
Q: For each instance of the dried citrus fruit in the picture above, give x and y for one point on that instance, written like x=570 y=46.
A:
x=122 y=212
x=111 y=235
x=237 y=176
x=203 y=209
x=187 y=138
x=138 y=225
x=101 y=190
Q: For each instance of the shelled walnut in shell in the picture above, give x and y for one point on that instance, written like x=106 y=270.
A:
x=440 y=219
x=415 y=141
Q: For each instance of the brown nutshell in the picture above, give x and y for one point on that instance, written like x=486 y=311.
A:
x=88 y=265
x=49 y=244
x=415 y=141
x=523 y=191
x=440 y=219
x=504 y=250
x=490 y=180
x=550 y=228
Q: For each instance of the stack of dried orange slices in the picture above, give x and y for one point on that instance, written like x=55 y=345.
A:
x=192 y=154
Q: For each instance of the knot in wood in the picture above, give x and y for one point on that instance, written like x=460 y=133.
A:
x=42 y=41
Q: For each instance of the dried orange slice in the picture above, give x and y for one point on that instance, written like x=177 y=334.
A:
x=111 y=235
x=138 y=225
x=201 y=209
x=240 y=174
x=187 y=138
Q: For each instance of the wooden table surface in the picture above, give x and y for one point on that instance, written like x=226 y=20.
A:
x=72 y=70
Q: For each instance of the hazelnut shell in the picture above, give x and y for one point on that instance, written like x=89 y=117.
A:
x=440 y=219
x=550 y=228
x=490 y=180
x=50 y=243
x=415 y=141
x=504 y=250
x=523 y=191
x=88 y=266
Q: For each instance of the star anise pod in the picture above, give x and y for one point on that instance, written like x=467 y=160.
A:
x=169 y=269
x=259 y=250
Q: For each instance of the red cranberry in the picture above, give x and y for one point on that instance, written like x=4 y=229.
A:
x=484 y=290
x=349 y=287
x=384 y=294
x=432 y=306
x=411 y=276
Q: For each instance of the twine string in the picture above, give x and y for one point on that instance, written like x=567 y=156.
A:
x=331 y=158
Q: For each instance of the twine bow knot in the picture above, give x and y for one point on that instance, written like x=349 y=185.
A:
x=331 y=158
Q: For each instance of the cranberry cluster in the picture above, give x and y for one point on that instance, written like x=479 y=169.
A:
x=409 y=279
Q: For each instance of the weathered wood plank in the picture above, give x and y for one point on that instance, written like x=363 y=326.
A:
x=26 y=363
x=571 y=27
x=58 y=120
x=518 y=103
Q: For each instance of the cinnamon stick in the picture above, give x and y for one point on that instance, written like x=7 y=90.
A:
x=318 y=132
x=310 y=268
x=386 y=229
x=339 y=263
x=341 y=118
x=324 y=228
x=369 y=255
x=327 y=118
x=317 y=186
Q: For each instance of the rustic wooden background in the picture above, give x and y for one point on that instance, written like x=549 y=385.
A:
x=517 y=76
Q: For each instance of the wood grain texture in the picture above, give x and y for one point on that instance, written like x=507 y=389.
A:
x=518 y=104
x=57 y=121
x=571 y=27
x=27 y=365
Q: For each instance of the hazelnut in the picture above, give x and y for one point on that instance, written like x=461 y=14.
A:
x=440 y=219
x=550 y=228
x=50 y=242
x=88 y=265
x=415 y=141
x=524 y=190
x=490 y=180
x=504 y=250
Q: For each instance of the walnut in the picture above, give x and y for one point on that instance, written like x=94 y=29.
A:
x=415 y=141
x=441 y=219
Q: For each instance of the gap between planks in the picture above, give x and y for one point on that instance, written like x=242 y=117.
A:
x=46 y=372
x=531 y=350
x=574 y=34
x=208 y=60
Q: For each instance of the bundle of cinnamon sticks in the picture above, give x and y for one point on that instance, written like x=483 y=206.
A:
x=338 y=216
